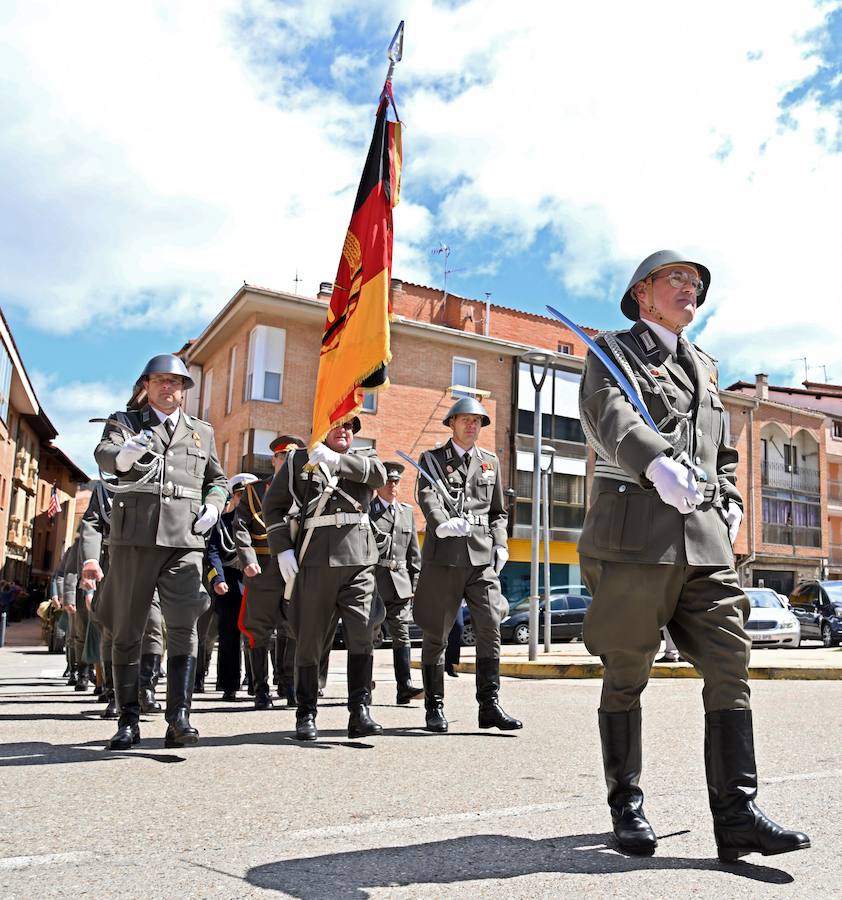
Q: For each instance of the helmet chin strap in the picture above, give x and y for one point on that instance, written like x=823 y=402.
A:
x=656 y=315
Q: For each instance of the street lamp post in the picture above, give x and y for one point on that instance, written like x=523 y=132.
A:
x=539 y=361
x=546 y=496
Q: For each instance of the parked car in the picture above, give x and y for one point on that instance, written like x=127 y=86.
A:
x=818 y=607
x=770 y=623
x=381 y=639
x=567 y=613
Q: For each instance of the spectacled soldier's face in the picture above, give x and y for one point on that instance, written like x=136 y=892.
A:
x=673 y=292
x=389 y=491
x=340 y=437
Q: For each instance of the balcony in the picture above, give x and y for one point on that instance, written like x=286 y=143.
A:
x=834 y=493
x=834 y=556
x=778 y=475
x=791 y=536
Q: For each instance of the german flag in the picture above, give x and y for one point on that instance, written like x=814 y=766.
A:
x=355 y=344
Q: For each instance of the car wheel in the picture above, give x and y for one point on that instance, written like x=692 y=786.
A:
x=469 y=639
x=827 y=636
x=521 y=634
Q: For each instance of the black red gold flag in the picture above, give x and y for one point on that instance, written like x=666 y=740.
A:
x=355 y=345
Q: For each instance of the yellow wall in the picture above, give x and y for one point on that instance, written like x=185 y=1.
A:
x=520 y=550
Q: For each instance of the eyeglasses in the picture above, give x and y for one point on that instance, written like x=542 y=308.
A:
x=345 y=426
x=679 y=279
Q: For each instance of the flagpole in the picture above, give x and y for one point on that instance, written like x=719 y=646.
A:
x=395 y=52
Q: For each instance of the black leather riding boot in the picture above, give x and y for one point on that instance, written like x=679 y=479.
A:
x=181 y=675
x=491 y=714
x=306 y=695
x=260 y=674
x=149 y=665
x=83 y=677
x=738 y=825
x=406 y=690
x=360 y=723
x=622 y=758
x=110 y=711
x=433 y=677
x=125 y=688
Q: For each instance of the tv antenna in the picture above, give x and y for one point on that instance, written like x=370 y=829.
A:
x=444 y=251
x=297 y=281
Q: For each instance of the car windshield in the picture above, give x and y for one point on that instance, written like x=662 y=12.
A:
x=833 y=590
x=764 y=600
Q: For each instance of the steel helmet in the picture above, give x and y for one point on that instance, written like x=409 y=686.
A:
x=467 y=406
x=167 y=364
x=656 y=261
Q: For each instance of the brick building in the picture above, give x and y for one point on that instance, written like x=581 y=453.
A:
x=255 y=366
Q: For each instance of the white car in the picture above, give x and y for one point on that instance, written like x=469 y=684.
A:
x=770 y=622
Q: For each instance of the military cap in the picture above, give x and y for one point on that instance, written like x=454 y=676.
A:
x=649 y=265
x=239 y=481
x=285 y=442
x=394 y=470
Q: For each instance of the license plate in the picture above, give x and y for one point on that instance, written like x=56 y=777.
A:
x=762 y=636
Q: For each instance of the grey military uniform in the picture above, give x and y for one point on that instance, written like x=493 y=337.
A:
x=152 y=543
x=646 y=564
x=457 y=567
x=94 y=533
x=398 y=567
x=337 y=572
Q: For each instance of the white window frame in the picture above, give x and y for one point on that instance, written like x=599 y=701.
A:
x=472 y=364
x=256 y=368
x=369 y=396
x=232 y=365
x=207 y=395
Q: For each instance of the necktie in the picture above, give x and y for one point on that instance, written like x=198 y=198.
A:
x=168 y=424
x=685 y=360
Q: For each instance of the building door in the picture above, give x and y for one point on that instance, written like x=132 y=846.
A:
x=782 y=582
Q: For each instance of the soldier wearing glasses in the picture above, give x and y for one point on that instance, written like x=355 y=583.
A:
x=170 y=492
x=332 y=564
x=397 y=571
x=464 y=550
x=262 y=607
x=656 y=550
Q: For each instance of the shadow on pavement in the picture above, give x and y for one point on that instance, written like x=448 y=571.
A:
x=40 y=753
x=475 y=858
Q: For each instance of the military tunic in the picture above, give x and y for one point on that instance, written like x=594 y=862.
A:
x=646 y=564
x=398 y=567
x=457 y=567
x=152 y=539
x=337 y=571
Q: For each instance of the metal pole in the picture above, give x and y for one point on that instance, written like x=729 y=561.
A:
x=536 y=513
x=546 y=477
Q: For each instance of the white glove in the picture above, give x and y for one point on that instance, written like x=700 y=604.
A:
x=455 y=527
x=733 y=516
x=207 y=518
x=323 y=454
x=287 y=564
x=674 y=483
x=133 y=448
x=501 y=557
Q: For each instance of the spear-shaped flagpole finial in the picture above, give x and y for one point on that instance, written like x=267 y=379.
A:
x=395 y=51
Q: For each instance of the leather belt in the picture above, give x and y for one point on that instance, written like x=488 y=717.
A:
x=338 y=519
x=475 y=519
x=168 y=489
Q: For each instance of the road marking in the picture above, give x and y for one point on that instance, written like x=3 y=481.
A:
x=44 y=859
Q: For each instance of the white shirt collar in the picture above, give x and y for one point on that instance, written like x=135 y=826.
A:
x=668 y=338
x=173 y=416
x=461 y=451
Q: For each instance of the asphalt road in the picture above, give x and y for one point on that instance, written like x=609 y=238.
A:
x=252 y=813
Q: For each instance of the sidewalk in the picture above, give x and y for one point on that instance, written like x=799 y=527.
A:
x=810 y=662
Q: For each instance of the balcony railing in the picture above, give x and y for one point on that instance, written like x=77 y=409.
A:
x=791 y=536
x=778 y=475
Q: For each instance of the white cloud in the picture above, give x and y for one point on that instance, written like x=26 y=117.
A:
x=155 y=155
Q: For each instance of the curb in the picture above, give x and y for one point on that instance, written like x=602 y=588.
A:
x=539 y=670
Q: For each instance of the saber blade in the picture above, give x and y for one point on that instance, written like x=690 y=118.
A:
x=433 y=482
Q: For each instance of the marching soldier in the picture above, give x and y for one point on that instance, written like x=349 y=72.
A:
x=656 y=550
x=224 y=578
x=171 y=490
x=464 y=550
x=397 y=571
x=262 y=605
x=58 y=597
x=333 y=565
x=94 y=535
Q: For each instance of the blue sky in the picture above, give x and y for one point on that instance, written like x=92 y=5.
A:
x=156 y=155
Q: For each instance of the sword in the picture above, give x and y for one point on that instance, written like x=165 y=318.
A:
x=122 y=426
x=435 y=483
x=625 y=386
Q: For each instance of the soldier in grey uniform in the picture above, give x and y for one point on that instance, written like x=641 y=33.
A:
x=393 y=524
x=656 y=549
x=77 y=612
x=464 y=550
x=94 y=534
x=332 y=565
x=262 y=607
x=171 y=490
x=59 y=595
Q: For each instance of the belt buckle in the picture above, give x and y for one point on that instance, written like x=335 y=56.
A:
x=167 y=490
